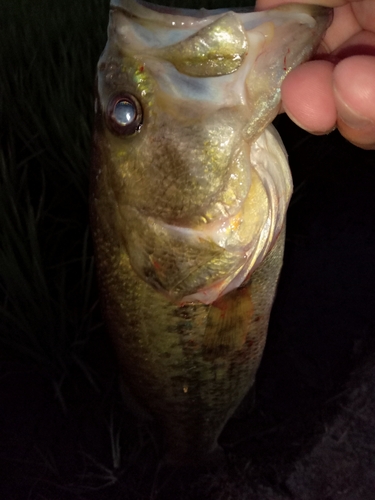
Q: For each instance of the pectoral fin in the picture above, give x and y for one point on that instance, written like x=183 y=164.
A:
x=228 y=323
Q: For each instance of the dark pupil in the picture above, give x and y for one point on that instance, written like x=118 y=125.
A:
x=124 y=112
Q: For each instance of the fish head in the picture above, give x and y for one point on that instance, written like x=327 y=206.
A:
x=199 y=180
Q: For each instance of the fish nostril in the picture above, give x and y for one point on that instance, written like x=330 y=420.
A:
x=124 y=114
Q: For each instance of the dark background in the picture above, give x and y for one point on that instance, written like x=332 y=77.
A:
x=64 y=432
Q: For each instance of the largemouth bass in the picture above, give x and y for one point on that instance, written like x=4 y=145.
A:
x=189 y=191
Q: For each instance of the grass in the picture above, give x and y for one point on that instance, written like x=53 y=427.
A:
x=46 y=266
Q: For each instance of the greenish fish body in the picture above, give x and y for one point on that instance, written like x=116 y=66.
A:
x=189 y=191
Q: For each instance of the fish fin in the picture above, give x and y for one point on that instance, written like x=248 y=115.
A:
x=228 y=323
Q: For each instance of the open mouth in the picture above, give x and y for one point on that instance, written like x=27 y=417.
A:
x=195 y=8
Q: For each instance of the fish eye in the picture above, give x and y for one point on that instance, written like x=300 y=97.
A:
x=124 y=114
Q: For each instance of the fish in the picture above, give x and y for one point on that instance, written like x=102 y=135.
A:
x=189 y=190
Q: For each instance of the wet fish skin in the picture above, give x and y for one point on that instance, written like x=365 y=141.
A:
x=188 y=204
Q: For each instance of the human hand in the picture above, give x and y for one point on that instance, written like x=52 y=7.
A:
x=337 y=90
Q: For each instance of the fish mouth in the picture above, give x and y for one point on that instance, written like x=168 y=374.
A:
x=159 y=44
x=177 y=17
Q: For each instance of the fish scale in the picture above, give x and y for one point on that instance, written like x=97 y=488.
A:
x=189 y=226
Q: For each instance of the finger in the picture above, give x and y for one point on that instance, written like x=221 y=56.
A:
x=354 y=95
x=308 y=99
x=364 y=11
x=344 y=26
x=344 y=23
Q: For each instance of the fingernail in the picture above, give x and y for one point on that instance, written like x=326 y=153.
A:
x=351 y=118
x=355 y=121
x=326 y=132
x=311 y=131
